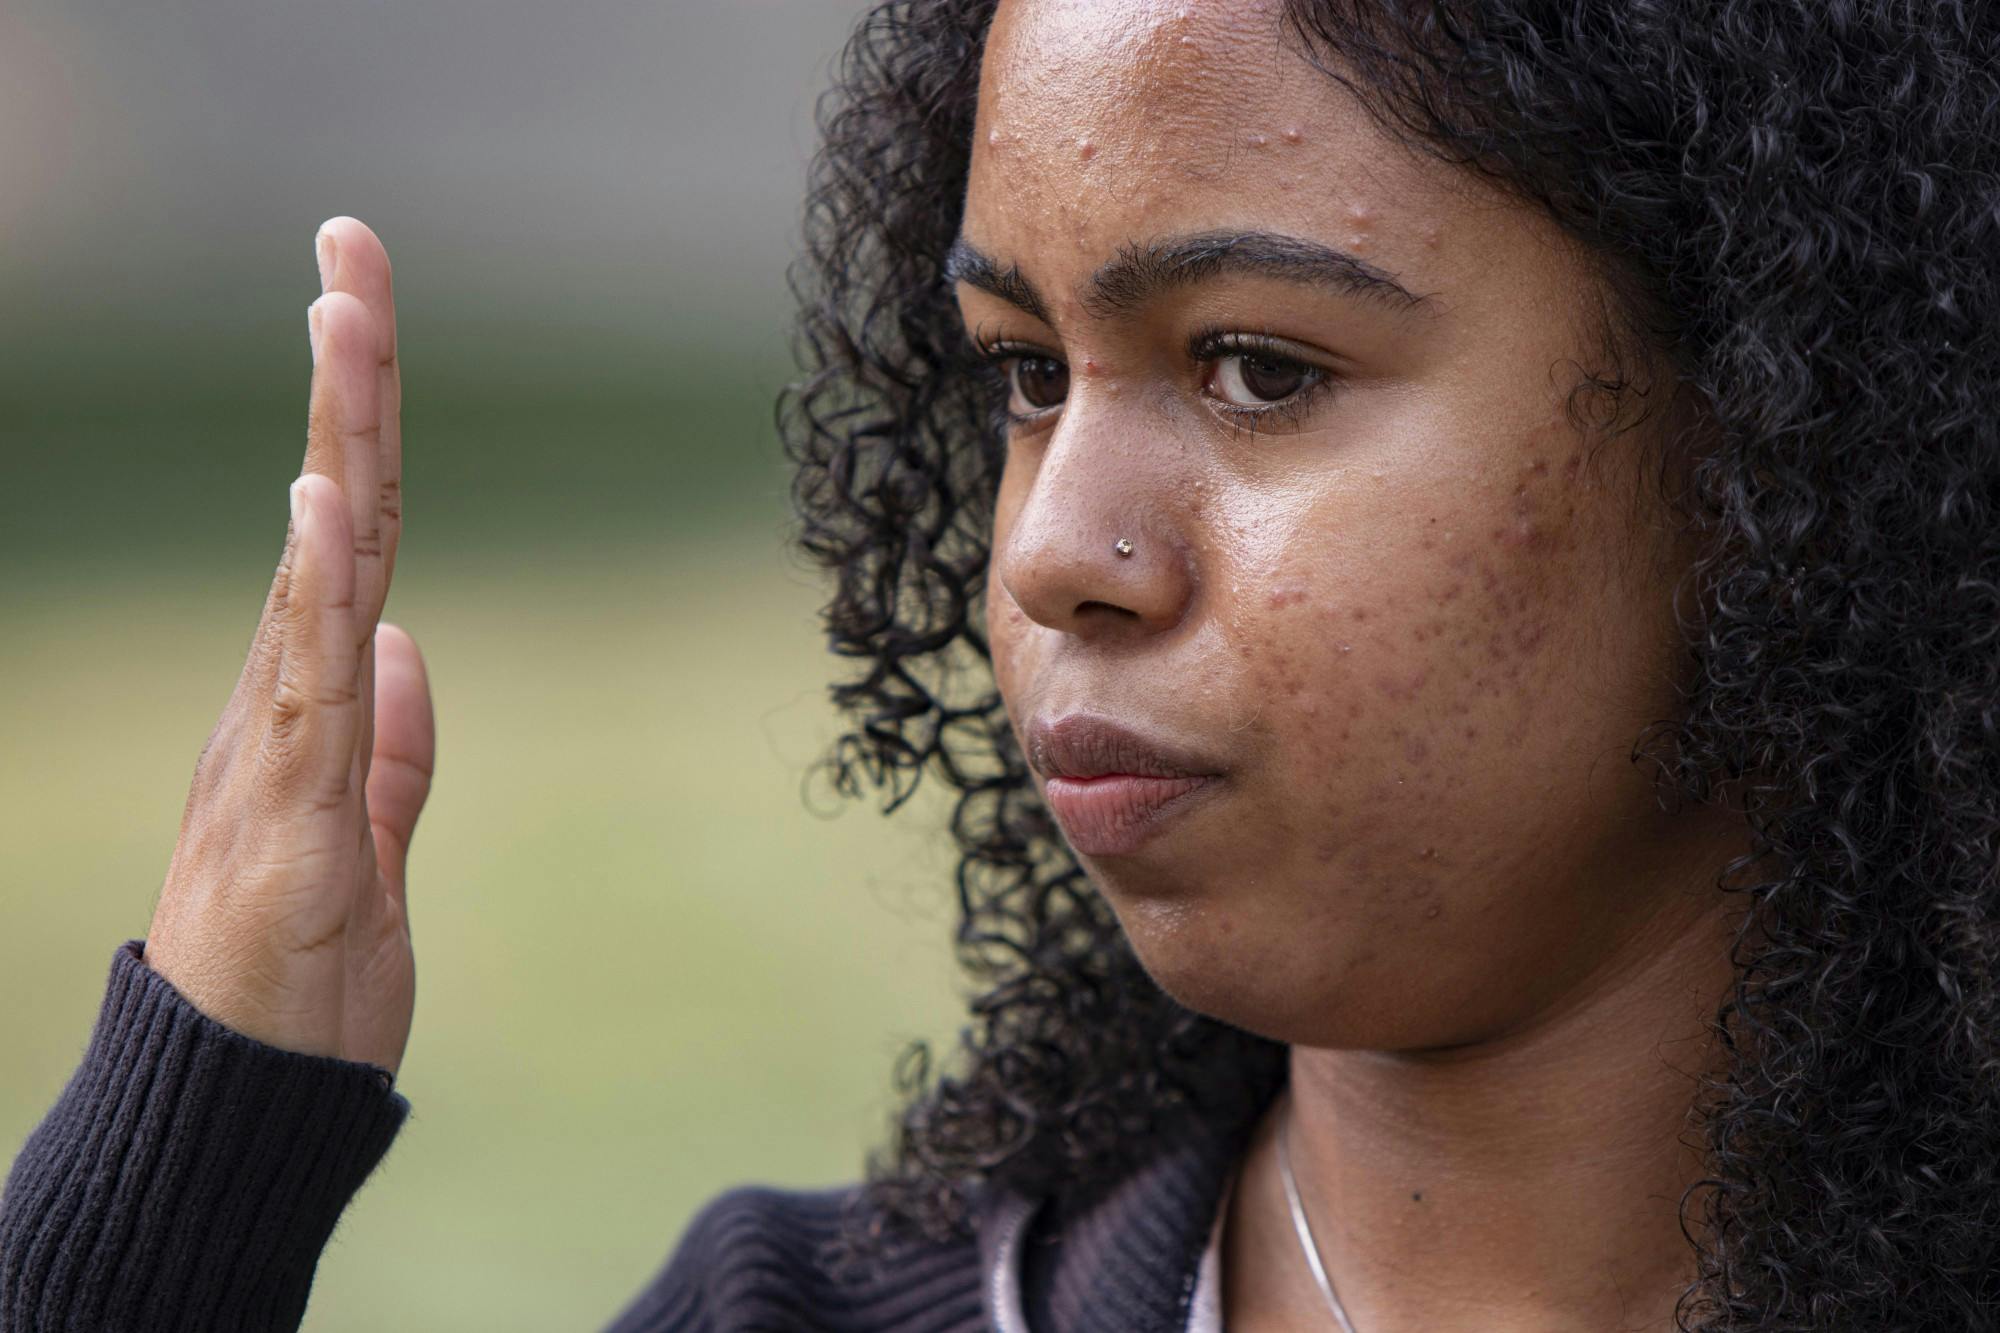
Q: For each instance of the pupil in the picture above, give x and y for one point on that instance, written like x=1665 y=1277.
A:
x=1270 y=380
x=1043 y=380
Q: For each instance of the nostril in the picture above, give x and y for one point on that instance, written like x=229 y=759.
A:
x=1062 y=570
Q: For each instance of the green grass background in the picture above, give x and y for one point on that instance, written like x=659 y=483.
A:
x=652 y=963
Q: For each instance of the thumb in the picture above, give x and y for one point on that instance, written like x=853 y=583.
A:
x=399 y=775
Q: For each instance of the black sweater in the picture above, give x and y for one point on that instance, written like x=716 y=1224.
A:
x=188 y=1177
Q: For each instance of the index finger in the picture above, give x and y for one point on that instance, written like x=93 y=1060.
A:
x=352 y=260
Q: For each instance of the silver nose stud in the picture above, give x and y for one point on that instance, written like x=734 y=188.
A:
x=1123 y=546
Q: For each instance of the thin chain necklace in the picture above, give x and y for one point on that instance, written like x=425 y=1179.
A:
x=1303 y=1227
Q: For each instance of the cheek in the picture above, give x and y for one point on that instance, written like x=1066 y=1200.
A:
x=1010 y=638
x=1416 y=696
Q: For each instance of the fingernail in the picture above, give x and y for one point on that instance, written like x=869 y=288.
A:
x=312 y=329
x=328 y=255
x=298 y=504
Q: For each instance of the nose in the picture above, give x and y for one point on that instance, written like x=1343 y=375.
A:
x=1092 y=542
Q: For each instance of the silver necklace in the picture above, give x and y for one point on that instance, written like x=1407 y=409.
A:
x=1304 y=1228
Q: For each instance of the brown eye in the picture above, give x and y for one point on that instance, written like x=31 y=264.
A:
x=1037 y=382
x=1248 y=380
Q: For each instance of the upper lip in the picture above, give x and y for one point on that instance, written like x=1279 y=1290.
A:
x=1084 y=745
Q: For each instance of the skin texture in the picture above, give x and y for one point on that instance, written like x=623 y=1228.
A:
x=1417 y=622
x=283 y=912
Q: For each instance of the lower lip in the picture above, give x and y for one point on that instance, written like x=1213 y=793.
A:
x=1116 y=814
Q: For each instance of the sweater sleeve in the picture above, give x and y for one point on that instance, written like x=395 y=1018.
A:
x=188 y=1175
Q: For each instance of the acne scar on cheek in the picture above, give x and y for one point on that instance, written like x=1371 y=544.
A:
x=1446 y=667
x=1403 y=686
x=1495 y=604
x=1522 y=530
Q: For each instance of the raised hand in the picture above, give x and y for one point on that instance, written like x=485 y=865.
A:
x=283 y=913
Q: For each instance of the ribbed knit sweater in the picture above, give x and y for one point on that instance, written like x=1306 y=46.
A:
x=188 y=1176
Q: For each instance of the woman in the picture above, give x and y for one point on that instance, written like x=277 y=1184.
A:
x=1452 y=554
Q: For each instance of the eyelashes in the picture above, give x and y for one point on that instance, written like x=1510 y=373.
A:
x=1260 y=380
x=1003 y=360
x=1255 y=382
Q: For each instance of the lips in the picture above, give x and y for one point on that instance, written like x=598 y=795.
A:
x=1111 y=787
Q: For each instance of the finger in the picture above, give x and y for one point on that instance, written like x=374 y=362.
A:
x=324 y=455
x=343 y=435
x=405 y=756
x=249 y=702
x=364 y=688
x=353 y=260
x=315 y=709
x=261 y=662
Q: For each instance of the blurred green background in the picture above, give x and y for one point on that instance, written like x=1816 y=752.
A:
x=653 y=962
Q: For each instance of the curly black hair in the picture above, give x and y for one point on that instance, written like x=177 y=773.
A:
x=1798 y=204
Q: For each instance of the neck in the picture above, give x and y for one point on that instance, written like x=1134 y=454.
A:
x=1532 y=1181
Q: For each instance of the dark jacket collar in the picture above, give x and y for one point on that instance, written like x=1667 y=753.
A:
x=1121 y=1259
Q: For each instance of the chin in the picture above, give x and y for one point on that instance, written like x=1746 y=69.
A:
x=1201 y=952
x=1216 y=959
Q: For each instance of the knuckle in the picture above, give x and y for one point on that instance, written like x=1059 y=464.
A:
x=321 y=423
x=336 y=695
x=295 y=706
x=217 y=759
x=289 y=707
x=281 y=578
x=409 y=768
x=288 y=822
x=328 y=802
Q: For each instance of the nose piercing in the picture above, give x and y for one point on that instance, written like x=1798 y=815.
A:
x=1123 y=546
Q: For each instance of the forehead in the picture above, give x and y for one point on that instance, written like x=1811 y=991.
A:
x=1104 y=121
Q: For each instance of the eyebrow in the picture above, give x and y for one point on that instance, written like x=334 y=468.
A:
x=968 y=265
x=1140 y=273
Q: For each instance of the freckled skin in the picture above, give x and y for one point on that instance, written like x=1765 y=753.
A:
x=1420 y=625
x=1497 y=665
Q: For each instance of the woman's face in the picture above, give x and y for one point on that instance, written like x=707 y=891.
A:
x=1382 y=600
